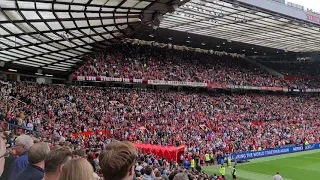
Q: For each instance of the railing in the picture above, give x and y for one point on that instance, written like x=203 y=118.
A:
x=15 y=128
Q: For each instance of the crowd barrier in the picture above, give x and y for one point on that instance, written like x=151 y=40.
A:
x=272 y=152
x=16 y=128
x=189 y=84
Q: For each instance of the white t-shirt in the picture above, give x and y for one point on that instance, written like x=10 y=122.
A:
x=277 y=177
x=30 y=126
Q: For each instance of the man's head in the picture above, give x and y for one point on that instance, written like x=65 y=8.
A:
x=148 y=171
x=55 y=161
x=23 y=144
x=79 y=153
x=181 y=176
x=117 y=161
x=37 y=153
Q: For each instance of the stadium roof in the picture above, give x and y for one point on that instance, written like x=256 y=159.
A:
x=242 y=22
x=55 y=35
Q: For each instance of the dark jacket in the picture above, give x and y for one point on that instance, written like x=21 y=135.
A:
x=32 y=172
x=7 y=164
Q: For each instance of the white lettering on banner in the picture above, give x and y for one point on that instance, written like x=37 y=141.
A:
x=258 y=154
x=104 y=78
x=126 y=80
x=137 y=80
x=310 y=146
x=297 y=148
x=91 y=78
x=110 y=79
x=241 y=156
x=81 y=78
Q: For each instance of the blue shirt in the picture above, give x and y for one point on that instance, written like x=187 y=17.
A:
x=19 y=165
x=186 y=164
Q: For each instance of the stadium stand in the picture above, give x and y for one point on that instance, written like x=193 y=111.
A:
x=91 y=118
x=145 y=62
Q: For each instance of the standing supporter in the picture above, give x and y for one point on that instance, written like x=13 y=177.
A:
x=22 y=146
x=2 y=154
x=35 y=168
x=55 y=161
x=91 y=161
x=9 y=158
x=118 y=160
x=77 y=169
x=181 y=176
x=148 y=174
x=79 y=153
x=277 y=177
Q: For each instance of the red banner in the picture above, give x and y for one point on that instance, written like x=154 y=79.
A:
x=87 y=134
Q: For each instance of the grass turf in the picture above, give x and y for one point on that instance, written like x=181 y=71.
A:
x=296 y=166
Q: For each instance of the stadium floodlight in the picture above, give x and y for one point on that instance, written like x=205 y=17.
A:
x=12 y=70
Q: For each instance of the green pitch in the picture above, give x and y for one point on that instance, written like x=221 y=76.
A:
x=295 y=166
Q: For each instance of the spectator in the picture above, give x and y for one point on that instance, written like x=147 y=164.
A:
x=158 y=175
x=9 y=158
x=55 y=161
x=91 y=161
x=11 y=140
x=148 y=174
x=277 y=177
x=139 y=166
x=79 y=153
x=35 y=168
x=2 y=154
x=181 y=176
x=22 y=146
x=77 y=169
x=30 y=126
x=117 y=161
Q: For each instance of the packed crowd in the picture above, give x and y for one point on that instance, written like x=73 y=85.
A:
x=145 y=62
x=215 y=123
x=211 y=121
x=39 y=159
